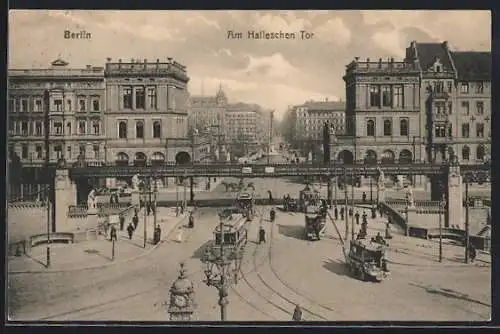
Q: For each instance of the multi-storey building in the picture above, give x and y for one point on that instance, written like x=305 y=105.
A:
x=382 y=112
x=456 y=101
x=433 y=105
x=147 y=112
x=472 y=113
x=208 y=111
x=74 y=102
x=307 y=122
x=246 y=127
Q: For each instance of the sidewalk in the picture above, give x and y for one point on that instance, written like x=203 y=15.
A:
x=412 y=251
x=98 y=253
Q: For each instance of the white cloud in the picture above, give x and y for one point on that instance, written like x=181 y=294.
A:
x=274 y=66
x=334 y=30
x=271 y=22
x=69 y=15
x=390 y=42
x=470 y=29
x=199 y=19
x=210 y=85
x=147 y=31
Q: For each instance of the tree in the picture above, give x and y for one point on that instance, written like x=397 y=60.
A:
x=239 y=146
x=287 y=125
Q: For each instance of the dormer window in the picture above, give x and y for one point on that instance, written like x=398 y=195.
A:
x=438 y=66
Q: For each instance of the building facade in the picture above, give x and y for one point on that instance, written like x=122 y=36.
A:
x=382 y=112
x=73 y=101
x=147 y=112
x=246 y=128
x=433 y=106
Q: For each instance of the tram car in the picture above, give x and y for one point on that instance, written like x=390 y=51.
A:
x=315 y=222
x=366 y=260
x=290 y=204
x=308 y=196
x=245 y=201
x=234 y=237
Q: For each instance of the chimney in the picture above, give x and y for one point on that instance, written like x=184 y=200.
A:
x=413 y=44
x=120 y=60
x=157 y=60
x=132 y=60
x=356 y=59
x=108 y=59
x=145 y=60
x=326 y=99
x=367 y=60
x=392 y=59
x=445 y=44
x=380 y=63
x=89 y=67
x=169 y=60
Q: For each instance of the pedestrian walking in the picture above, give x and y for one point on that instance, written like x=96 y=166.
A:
x=113 y=234
x=106 y=229
x=364 y=197
x=130 y=230
x=342 y=213
x=262 y=235
x=374 y=213
x=135 y=221
x=365 y=218
x=336 y=213
x=270 y=197
x=157 y=234
x=472 y=253
x=356 y=216
x=148 y=208
x=122 y=222
x=350 y=212
x=297 y=313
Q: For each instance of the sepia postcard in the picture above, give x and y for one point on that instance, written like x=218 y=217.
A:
x=236 y=166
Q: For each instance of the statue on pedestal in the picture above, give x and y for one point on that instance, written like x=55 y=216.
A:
x=135 y=182
x=91 y=200
x=381 y=178
x=409 y=197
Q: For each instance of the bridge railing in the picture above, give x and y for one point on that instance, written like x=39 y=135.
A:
x=104 y=209
x=397 y=217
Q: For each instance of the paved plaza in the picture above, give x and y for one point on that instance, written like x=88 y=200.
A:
x=284 y=271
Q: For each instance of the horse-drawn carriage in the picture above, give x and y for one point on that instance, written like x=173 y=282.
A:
x=315 y=222
x=366 y=260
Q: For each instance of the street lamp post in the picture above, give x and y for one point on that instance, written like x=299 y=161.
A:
x=352 y=204
x=407 y=219
x=346 y=205
x=47 y=172
x=145 y=198
x=218 y=272
x=467 y=241
x=441 y=208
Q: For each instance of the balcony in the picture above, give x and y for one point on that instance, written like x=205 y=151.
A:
x=439 y=96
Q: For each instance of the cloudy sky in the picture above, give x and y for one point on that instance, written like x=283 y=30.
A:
x=272 y=73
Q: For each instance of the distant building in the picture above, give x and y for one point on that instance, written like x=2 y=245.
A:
x=207 y=113
x=246 y=127
x=307 y=122
x=75 y=102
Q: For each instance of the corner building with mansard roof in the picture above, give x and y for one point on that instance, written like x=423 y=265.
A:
x=430 y=107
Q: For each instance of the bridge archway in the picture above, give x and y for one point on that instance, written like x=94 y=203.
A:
x=388 y=157
x=140 y=159
x=182 y=158
x=122 y=159
x=345 y=157
x=371 y=157
x=405 y=157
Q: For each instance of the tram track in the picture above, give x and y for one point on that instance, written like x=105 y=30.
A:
x=290 y=302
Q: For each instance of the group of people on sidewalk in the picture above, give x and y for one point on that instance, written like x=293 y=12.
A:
x=132 y=226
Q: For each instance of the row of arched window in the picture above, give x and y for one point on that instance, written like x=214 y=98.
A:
x=404 y=125
x=480 y=153
x=139 y=129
